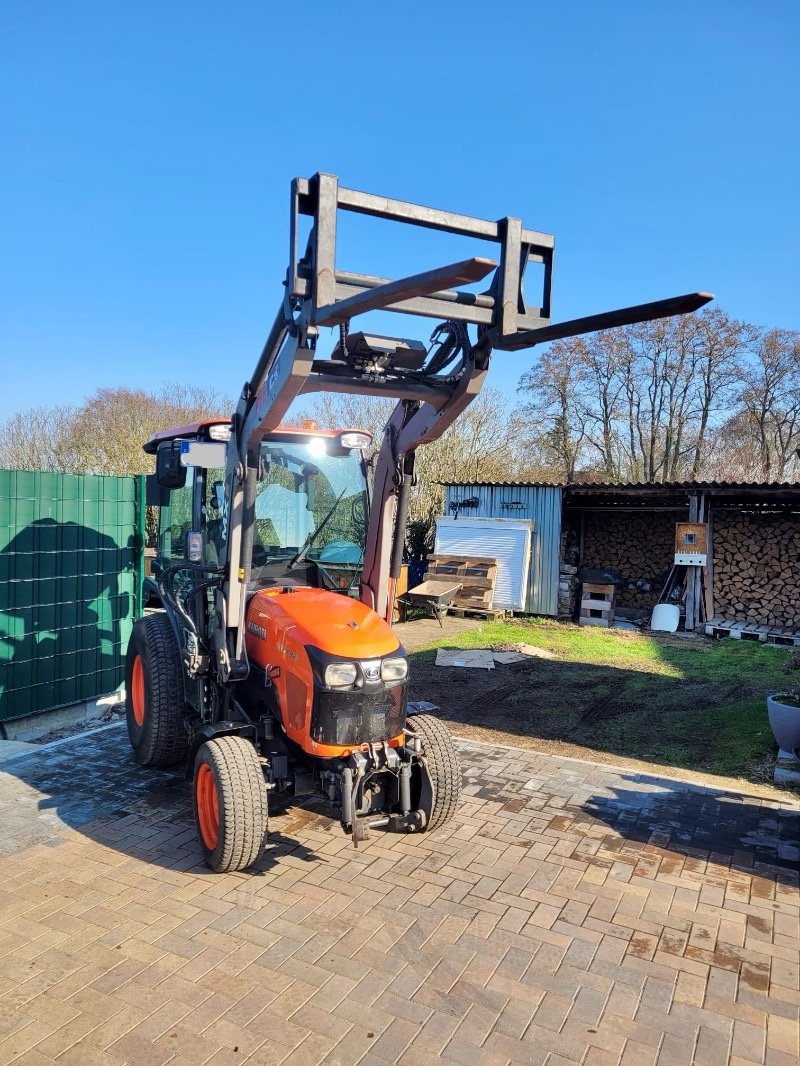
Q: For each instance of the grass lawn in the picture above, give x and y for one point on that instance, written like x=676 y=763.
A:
x=697 y=704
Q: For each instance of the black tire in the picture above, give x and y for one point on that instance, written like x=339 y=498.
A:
x=154 y=701
x=235 y=836
x=436 y=784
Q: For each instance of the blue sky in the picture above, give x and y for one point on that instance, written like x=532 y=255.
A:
x=147 y=151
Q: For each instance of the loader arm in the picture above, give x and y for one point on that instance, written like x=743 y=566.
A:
x=433 y=386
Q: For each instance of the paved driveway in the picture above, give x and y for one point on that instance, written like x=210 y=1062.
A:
x=572 y=913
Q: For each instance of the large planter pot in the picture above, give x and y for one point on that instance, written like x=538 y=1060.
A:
x=784 y=720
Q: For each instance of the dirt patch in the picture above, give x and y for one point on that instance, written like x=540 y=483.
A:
x=113 y=714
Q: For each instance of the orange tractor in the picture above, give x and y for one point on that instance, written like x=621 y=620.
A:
x=273 y=665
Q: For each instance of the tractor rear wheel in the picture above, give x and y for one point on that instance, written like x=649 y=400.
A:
x=230 y=803
x=154 y=703
x=436 y=778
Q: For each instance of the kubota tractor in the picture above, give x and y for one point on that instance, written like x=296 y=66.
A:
x=273 y=664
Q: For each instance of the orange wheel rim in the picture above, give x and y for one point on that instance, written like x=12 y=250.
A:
x=137 y=691
x=207 y=806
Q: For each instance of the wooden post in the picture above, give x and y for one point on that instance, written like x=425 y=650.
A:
x=708 y=576
x=699 y=606
x=691 y=572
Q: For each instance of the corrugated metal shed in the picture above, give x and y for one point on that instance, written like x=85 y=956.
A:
x=541 y=504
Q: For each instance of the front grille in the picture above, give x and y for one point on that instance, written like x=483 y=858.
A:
x=358 y=716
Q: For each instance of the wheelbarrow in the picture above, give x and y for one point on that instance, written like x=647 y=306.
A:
x=435 y=595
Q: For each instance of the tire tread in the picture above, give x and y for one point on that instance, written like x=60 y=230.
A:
x=242 y=797
x=163 y=741
x=444 y=766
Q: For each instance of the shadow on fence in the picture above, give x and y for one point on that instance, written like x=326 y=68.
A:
x=66 y=607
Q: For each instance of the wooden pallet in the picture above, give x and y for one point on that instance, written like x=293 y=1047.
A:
x=476 y=573
x=785 y=636
x=597 y=605
x=491 y=614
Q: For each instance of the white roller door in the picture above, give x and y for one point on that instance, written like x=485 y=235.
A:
x=506 y=539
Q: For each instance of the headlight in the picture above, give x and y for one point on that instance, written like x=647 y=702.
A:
x=394 y=669
x=338 y=675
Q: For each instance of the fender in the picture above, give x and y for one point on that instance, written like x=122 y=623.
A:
x=208 y=732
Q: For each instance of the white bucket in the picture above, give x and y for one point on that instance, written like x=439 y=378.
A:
x=665 y=617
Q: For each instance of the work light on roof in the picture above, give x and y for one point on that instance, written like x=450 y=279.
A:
x=355 y=440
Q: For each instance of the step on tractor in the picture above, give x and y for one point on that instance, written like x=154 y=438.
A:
x=272 y=665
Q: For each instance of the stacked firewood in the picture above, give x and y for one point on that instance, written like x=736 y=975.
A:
x=567 y=590
x=638 y=547
x=757 y=568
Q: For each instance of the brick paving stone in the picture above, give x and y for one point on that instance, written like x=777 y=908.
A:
x=391 y=1044
x=461 y=1051
x=712 y=1048
x=571 y=913
x=636 y=1054
x=779 y=1058
x=783 y=1034
x=678 y=1050
x=89 y=1056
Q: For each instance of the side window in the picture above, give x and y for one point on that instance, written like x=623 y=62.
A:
x=176 y=521
x=213 y=517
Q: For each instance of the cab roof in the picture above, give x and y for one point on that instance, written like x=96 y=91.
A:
x=201 y=431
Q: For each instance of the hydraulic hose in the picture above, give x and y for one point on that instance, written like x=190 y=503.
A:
x=399 y=538
x=168 y=594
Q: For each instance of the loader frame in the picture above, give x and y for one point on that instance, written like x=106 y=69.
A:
x=431 y=393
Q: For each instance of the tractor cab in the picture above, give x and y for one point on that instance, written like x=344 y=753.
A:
x=310 y=511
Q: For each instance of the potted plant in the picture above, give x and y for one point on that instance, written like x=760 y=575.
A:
x=783 y=709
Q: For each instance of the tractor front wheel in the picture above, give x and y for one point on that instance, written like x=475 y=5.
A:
x=230 y=803
x=436 y=778
x=154 y=702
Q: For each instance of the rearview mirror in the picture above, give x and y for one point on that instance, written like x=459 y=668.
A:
x=169 y=472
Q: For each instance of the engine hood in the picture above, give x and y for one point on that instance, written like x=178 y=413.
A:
x=329 y=621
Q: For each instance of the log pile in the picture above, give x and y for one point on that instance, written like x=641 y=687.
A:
x=757 y=568
x=637 y=546
x=567 y=591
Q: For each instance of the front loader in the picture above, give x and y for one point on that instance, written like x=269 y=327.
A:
x=273 y=665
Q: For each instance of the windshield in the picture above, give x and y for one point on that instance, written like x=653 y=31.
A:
x=311 y=505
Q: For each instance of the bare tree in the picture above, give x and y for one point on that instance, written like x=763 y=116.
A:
x=602 y=398
x=556 y=412
x=105 y=434
x=637 y=403
x=722 y=345
x=770 y=398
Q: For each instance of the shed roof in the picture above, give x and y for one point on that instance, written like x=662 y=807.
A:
x=649 y=487
x=666 y=494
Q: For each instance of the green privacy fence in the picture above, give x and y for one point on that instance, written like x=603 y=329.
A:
x=71 y=567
